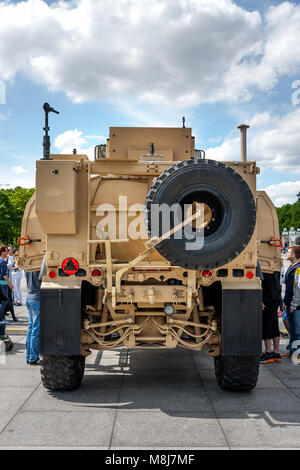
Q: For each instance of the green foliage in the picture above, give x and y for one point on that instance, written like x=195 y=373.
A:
x=12 y=205
x=289 y=215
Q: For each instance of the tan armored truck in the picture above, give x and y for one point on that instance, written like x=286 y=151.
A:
x=150 y=245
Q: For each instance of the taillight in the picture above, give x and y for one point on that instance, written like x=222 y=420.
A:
x=207 y=273
x=52 y=274
x=250 y=275
x=96 y=273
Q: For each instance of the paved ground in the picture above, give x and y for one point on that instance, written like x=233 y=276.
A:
x=147 y=400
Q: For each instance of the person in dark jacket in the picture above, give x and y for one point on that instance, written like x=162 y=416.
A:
x=4 y=285
x=292 y=297
x=271 y=292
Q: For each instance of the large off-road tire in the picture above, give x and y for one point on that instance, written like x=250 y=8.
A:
x=227 y=199
x=237 y=373
x=62 y=372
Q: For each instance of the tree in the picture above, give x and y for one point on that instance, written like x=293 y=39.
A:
x=289 y=215
x=12 y=206
x=7 y=218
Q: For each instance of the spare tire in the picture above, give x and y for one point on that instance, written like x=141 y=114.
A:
x=230 y=207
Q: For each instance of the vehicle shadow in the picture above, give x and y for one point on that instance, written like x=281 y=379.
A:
x=179 y=383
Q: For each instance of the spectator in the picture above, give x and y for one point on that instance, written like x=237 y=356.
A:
x=33 y=307
x=4 y=284
x=292 y=297
x=270 y=329
x=10 y=263
x=16 y=277
x=282 y=275
x=10 y=258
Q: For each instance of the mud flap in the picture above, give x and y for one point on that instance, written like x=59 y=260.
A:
x=60 y=321
x=241 y=322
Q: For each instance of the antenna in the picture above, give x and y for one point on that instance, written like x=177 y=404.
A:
x=46 y=140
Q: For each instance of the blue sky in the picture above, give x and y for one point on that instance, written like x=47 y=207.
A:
x=104 y=63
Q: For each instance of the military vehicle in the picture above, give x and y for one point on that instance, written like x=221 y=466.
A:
x=149 y=245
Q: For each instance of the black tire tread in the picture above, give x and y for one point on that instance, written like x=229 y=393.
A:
x=237 y=373
x=161 y=180
x=62 y=372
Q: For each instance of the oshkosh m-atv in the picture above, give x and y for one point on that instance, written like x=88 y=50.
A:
x=150 y=245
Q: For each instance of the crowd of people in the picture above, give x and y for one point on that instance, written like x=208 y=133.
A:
x=11 y=287
x=11 y=297
x=289 y=307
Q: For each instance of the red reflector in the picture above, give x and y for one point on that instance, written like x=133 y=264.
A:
x=70 y=266
x=96 y=272
x=52 y=274
x=207 y=273
x=250 y=275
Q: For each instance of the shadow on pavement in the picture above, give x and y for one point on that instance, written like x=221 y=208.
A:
x=173 y=382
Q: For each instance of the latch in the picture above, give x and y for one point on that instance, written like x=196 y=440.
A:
x=27 y=241
x=273 y=242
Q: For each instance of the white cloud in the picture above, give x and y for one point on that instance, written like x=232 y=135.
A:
x=72 y=139
x=178 y=53
x=283 y=193
x=172 y=53
x=19 y=170
x=272 y=140
x=17 y=176
x=69 y=140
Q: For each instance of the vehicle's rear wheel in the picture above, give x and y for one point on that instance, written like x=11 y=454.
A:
x=62 y=372
x=237 y=373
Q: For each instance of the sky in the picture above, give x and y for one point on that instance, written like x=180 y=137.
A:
x=105 y=63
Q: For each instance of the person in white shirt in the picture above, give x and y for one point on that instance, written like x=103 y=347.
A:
x=16 y=277
x=10 y=261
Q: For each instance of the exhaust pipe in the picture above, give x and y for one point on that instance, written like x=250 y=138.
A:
x=243 y=128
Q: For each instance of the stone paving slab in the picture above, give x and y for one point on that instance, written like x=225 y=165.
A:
x=29 y=377
x=167 y=399
x=11 y=400
x=158 y=428
x=256 y=401
x=84 y=399
x=59 y=428
x=265 y=430
x=128 y=401
x=172 y=378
